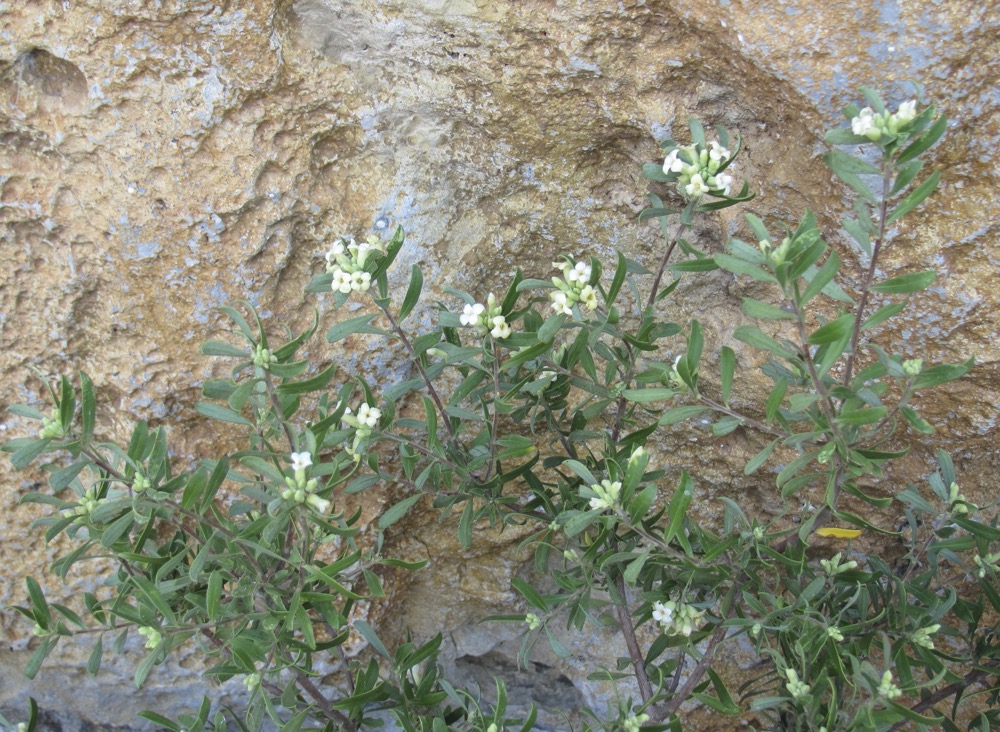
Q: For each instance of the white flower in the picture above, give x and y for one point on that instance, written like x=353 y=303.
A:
x=470 y=314
x=360 y=281
x=907 y=111
x=718 y=153
x=301 y=460
x=588 y=296
x=336 y=249
x=723 y=181
x=696 y=188
x=662 y=614
x=501 y=329
x=561 y=303
x=368 y=416
x=866 y=124
x=580 y=272
x=320 y=504
x=673 y=164
x=341 y=281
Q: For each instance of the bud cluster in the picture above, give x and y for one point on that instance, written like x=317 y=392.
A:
x=607 y=496
x=698 y=170
x=346 y=261
x=574 y=287
x=676 y=618
x=300 y=490
x=874 y=125
x=486 y=318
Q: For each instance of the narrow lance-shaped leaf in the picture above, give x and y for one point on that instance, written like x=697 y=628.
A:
x=412 y=293
x=88 y=408
x=727 y=367
x=906 y=283
x=915 y=198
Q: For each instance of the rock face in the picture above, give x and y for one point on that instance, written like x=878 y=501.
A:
x=159 y=158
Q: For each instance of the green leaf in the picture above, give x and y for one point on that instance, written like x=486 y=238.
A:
x=757 y=309
x=221 y=414
x=677 y=509
x=396 y=512
x=616 y=284
x=352 y=326
x=581 y=470
x=212 y=595
x=882 y=314
x=760 y=458
x=465 y=525
x=530 y=594
x=644 y=396
x=67 y=402
x=916 y=422
x=755 y=337
x=27 y=452
x=942 y=373
x=221 y=348
x=924 y=142
x=412 y=293
x=39 y=607
x=741 y=267
x=315 y=383
x=88 y=409
x=915 y=198
x=34 y=663
x=775 y=398
x=822 y=278
x=867 y=415
x=727 y=367
x=842 y=162
x=94 y=660
x=679 y=414
x=906 y=283
x=833 y=331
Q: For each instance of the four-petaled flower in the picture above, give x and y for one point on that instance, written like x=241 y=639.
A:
x=486 y=319
x=301 y=460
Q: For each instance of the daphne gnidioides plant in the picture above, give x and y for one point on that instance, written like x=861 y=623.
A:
x=556 y=392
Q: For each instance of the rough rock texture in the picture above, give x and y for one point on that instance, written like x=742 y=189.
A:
x=159 y=158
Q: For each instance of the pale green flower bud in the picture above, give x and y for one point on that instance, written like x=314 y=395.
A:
x=913 y=366
x=834 y=566
x=923 y=638
x=798 y=689
x=52 y=427
x=533 y=621
x=887 y=688
x=153 y=637
x=252 y=681
x=834 y=633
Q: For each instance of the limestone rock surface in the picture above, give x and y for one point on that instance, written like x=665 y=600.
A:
x=160 y=158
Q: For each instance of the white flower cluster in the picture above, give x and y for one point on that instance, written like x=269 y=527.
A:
x=698 y=170
x=873 y=125
x=574 y=287
x=346 y=262
x=363 y=423
x=676 y=618
x=607 y=496
x=300 y=490
x=486 y=318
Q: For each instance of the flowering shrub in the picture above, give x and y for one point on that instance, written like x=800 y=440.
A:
x=556 y=391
